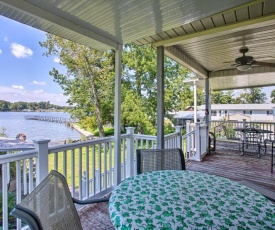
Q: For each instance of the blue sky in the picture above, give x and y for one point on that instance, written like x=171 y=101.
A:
x=24 y=72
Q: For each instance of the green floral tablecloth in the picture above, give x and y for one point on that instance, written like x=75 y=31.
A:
x=188 y=200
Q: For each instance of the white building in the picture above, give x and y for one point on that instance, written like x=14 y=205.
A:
x=250 y=112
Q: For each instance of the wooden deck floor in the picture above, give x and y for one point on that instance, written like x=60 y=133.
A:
x=230 y=164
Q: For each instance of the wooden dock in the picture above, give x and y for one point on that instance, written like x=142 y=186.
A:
x=51 y=119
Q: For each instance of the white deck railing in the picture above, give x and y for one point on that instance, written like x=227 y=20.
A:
x=217 y=127
x=88 y=166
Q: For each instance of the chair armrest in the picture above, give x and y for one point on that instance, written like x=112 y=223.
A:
x=26 y=217
x=92 y=201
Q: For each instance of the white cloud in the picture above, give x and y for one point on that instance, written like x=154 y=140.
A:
x=40 y=91
x=39 y=83
x=20 y=51
x=6 y=39
x=12 y=94
x=0 y=51
x=17 y=86
x=56 y=59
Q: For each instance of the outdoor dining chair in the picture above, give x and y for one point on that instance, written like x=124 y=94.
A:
x=159 y=159
x=50 y=205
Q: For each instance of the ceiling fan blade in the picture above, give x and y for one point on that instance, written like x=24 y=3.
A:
x=264 y=64
x=226 y=67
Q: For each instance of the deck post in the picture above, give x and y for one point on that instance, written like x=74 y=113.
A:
x=42 y=170
x=179 y=137
x=188 y=139
x=117 y=109
x=197 y=156
x=130 y=152
x=160 y=97
x=244 y=123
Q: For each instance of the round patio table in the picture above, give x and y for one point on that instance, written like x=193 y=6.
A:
x=188 y=200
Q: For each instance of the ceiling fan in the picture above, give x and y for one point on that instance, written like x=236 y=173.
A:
x=244 y=62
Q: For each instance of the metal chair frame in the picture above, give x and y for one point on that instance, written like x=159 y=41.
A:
x=33 y=220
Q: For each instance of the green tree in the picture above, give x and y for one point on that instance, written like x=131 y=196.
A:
x=252 y=96
x=4 y=105
x=89 y=79
x=223 y=97
x=272 y=96
x=134 y=114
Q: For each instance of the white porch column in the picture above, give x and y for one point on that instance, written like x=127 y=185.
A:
x=207 y=110
x=195 y=101
x=160 y=97
x=130 y=152
x=43 y=159
x=117 y=128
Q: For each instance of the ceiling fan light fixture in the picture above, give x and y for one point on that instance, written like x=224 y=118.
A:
x=244 y=67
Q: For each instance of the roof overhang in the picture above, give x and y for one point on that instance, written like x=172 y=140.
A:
x=202 y=35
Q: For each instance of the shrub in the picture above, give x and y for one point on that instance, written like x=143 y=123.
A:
x=11 y=205
x=107 y=132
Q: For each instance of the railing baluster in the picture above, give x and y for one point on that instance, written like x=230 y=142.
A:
x=18 y=189
x=87 y=176
x=80 y=172
x=124 y=159
x=99 y=167
x=4 y=196
x=105 y=168
x=25 y=178
x=93 y=170
x=30 y=175
x=65 y=163
x=56 y=161
x=73 y=172
x=110 y=164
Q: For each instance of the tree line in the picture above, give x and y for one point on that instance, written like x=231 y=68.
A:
x=89 y=83
x=34 y=106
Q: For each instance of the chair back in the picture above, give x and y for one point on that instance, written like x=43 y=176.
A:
x=159 y=159
x=49 y=205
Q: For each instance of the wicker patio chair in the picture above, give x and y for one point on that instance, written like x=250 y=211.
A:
x=50 y=205
x=159 y=159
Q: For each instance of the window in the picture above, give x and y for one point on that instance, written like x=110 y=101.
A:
x=220 y=112
x=214 y=113
x=225 y=111
x=244 y=112
x=267 y=112
x=250 y=112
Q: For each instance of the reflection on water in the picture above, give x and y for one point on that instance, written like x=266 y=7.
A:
x=15 y=123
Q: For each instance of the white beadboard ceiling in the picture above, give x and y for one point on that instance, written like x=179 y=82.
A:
x=201 y=35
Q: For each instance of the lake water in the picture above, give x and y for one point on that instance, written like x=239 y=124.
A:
x=15 y=123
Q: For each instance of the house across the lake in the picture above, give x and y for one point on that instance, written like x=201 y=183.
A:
x=250 y=112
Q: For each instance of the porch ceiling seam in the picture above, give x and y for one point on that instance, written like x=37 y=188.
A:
x=235 y=72
x=184 y=60
x=222 y=30
x=38 y=12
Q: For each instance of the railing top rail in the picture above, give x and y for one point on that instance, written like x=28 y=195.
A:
x=189 y=134
x=7 y=158
x=59 y=148
x=145 y=137
x=171 y=135
x=7 y=149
